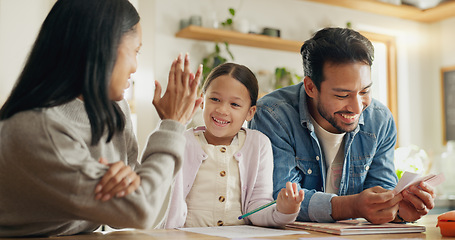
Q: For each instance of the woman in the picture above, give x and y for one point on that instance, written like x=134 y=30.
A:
x=68 y=155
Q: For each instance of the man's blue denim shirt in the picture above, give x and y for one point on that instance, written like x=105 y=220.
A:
x=369 y=150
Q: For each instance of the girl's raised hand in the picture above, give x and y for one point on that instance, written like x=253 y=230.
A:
x=180 y=100
x=289 y=199
x=120 y=180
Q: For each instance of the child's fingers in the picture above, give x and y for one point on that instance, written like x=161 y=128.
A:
x=295 y=188
x=300 y=196
x=291 y=189
x=282 y=194
x=288 y=200
x=292 y=192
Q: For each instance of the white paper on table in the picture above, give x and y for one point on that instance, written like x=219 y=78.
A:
x=241 y=231
x=409 y=178
x=323 y=238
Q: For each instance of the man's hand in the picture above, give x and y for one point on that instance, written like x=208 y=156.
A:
x=418 y=200
x=180 y=100
x=375 y=204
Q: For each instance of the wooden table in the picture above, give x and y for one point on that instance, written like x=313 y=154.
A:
x=432 y=232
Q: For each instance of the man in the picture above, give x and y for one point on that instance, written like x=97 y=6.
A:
x=334 y=140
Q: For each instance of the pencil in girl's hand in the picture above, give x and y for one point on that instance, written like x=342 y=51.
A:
x=256 y=210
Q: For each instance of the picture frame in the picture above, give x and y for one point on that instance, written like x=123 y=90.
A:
x=391 y=69
x=448 y=103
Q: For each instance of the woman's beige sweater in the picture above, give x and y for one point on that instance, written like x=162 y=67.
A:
x=49 y=170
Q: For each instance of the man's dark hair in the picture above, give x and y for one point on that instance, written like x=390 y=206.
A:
x=337 y=46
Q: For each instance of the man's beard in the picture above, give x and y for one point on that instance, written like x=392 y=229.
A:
x=332 y=120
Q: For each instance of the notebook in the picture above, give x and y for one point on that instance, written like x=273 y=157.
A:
x=357 y=227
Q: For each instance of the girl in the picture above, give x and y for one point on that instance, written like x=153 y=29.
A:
x=227 y=169
x=67 y=111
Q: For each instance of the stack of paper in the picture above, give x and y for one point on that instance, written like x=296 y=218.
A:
x=241 y=231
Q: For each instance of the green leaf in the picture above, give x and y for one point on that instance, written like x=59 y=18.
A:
x=232 y=11
x=280 y=73
x=229 y=21
x=228 y=50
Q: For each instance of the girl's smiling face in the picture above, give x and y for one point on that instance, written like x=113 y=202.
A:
x=226 y=106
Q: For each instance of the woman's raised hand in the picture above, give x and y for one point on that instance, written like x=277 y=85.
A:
x=180 y=101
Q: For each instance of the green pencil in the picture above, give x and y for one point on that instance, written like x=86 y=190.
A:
x=256 y=210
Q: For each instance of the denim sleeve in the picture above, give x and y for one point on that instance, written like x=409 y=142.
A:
x=316 y=206
x=320 y=207
x=382 y=169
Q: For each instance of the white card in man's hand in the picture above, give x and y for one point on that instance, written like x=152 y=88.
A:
x=409 y=178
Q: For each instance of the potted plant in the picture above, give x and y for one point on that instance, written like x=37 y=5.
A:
x=213 y=60
x=284 y=77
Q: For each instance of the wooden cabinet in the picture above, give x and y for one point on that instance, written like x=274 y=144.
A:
x=233 y=37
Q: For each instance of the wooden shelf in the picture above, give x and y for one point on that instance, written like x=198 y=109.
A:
x=442 y=11
x=233 y=37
